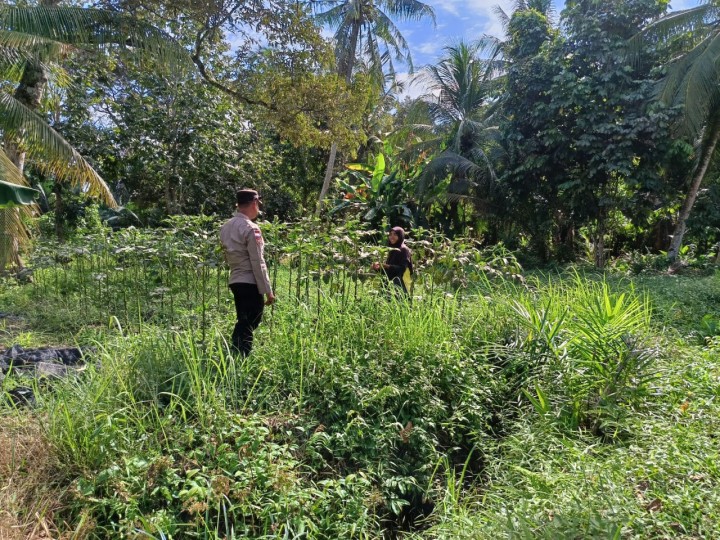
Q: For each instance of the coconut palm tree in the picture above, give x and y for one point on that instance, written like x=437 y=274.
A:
x=365 y=28
x=461 y=106
x=545 y=7
x=32 y=41
x=692 y=81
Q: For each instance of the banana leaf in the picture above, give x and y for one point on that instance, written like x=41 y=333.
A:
x=12 y=194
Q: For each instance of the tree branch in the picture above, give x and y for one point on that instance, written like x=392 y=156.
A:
x=207 y=74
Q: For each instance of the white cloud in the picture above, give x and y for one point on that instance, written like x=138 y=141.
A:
x=469 y=8
x=451 y=6
x=430 y=48
x=479 y=13
x=412 y=89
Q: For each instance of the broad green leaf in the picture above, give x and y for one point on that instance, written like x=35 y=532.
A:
x=379 y=172
x=13 y=194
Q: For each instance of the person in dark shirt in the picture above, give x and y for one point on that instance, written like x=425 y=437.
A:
x=399 y=260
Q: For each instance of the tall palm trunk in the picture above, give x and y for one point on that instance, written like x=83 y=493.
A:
x=347 y=69
x=29 y=92
x=599 y=243
x=699 y=175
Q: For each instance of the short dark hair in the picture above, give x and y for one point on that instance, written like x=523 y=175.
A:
x=246 y=196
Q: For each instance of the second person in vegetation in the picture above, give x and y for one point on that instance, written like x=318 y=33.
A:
x=244 y=247
x=398 y=266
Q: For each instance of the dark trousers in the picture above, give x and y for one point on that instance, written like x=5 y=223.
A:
x=249 y=306
x=399 y=285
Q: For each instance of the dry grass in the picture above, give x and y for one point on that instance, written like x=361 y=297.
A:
x=27 y=467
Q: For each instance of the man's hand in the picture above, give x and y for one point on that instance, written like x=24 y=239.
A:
x=376 y=266
x=270 y=299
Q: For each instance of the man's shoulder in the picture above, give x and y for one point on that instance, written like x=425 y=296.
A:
x=238 y=220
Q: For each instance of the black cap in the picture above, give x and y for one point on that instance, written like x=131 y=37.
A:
x=246 y=196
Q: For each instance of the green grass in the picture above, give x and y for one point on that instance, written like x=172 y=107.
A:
x=567 y=407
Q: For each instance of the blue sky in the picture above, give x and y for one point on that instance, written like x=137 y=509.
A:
x=464 y=19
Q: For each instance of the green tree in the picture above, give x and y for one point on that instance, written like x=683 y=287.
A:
x=590 y=145
x=460 y=100
x=269 y=57
x=365 y=28
x=31 y=39
x=693 y=82
x=529 y=49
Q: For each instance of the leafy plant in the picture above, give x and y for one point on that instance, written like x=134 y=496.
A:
x=379 y=197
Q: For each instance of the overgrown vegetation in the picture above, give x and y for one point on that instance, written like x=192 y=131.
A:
x=550 y=406
x=566 y=138
x=495 y=402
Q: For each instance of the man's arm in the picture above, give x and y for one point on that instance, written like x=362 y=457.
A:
x=255 y=245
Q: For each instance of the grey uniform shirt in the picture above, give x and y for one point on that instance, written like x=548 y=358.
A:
x=244 y=247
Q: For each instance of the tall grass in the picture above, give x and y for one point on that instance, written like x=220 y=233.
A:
x=486 y=407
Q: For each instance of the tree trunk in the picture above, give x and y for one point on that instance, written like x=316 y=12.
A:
x=9 y=244
x=698 y=177
x=168 y=197
x=29 y=92
x=59 y=212
x=347 y=68
x=599 y=241
x=328 y=176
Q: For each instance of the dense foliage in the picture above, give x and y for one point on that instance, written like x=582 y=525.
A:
x=493 y=405
x=552 y=138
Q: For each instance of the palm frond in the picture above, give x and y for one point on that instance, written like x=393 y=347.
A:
x=374 y=57
x=685 y=22
x=53 y=154
x=680 y=22
x=459 y=85
x=85 y=26
x=32 y=46
x=333 y=17
x=503 y=17
x=386 y=30
x=455 y=197
x=9 y=172
x=447 y=164
x=14 y=235
x=373 y=18
x=13 y=232
x=13 y=62
x=693 y=81
x=408 y=10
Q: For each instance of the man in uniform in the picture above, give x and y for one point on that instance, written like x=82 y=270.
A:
x=249 y=280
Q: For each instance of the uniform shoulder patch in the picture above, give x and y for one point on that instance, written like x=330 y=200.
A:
x=258 y=237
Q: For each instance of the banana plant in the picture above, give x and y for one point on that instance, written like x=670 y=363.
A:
x=11 y=194
x=376 y=195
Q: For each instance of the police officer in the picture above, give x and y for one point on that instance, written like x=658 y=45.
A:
x=249 y=281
